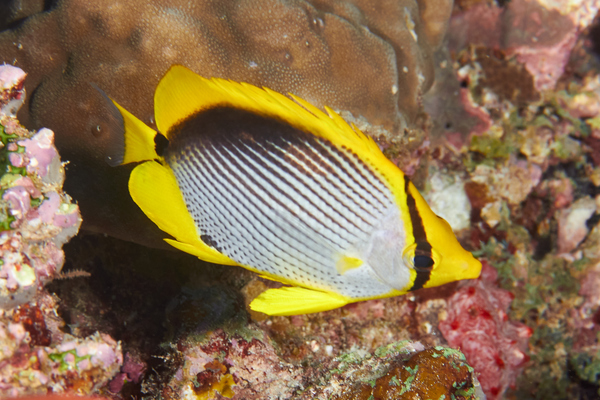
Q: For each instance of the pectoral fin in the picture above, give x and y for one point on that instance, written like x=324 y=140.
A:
x=295 y=301
x=347 y=263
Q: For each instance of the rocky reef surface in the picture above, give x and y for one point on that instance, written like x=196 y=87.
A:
x=37 y=219
x=509 y=154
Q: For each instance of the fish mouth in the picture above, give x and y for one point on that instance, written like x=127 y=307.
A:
x=472 y=269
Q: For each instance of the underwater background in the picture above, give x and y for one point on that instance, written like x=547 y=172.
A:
x=491 y=107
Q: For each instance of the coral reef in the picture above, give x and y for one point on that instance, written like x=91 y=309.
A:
x=36 y=358
x=478 y=324
x=514 y=164
x=529 y=166
x=371 y=62
x=37 y=218
x=539 y=38
x=238 y=368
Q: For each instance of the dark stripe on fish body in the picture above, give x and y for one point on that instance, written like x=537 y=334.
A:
x=423 y=247
x=239 y=201
x=275 y=197
x=225 y=164
x=286 y=166
x=254 y=195
x=270 y=194
x=377 y=202
x=328 y=173
x=277 y=174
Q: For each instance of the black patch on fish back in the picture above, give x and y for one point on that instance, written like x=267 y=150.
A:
x=238 y=130
x=224 y=126
x=160 y=144
x=209 y=241
x=423 y=261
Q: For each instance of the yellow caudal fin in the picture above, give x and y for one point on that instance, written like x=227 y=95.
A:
x=154 y=189
x=295 y=301
x=139 y=138
x=182 y=93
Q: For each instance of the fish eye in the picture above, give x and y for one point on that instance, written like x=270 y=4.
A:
x=420 y=260
x=423 y=262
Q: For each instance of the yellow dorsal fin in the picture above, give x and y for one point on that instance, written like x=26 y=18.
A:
x=139 y=138
x=154 y=189
x=182 y=93
x=295 y=301
x=347 y=263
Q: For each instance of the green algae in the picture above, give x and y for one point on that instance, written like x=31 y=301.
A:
x=66 y=365
x=587 y=366
x=393 y=349
x=492 y=147
x=5 y=137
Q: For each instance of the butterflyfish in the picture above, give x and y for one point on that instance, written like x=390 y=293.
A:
x=242 y=175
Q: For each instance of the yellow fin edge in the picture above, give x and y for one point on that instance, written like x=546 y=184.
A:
x=166 y=208
x=139 y=138
x=296 y=300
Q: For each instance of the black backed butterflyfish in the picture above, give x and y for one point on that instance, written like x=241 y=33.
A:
x=241 y=175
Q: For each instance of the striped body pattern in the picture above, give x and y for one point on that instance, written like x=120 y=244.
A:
x=284 y=202
x=241 y=175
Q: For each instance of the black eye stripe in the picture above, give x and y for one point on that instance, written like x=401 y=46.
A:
x=423 y=263
x=423 y=258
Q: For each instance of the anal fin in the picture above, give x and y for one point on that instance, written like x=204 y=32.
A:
x=296 y=300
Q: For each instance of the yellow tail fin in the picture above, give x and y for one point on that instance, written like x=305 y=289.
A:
x=139 y=138
x=154 y=189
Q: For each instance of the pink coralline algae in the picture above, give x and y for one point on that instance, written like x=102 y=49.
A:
x=478 y=324
x=540 y=38
x=36 y=357
x=36 y=217
x=12 y=93
x=132 y=370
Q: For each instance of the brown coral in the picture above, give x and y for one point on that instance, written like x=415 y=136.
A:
x=372 y=61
